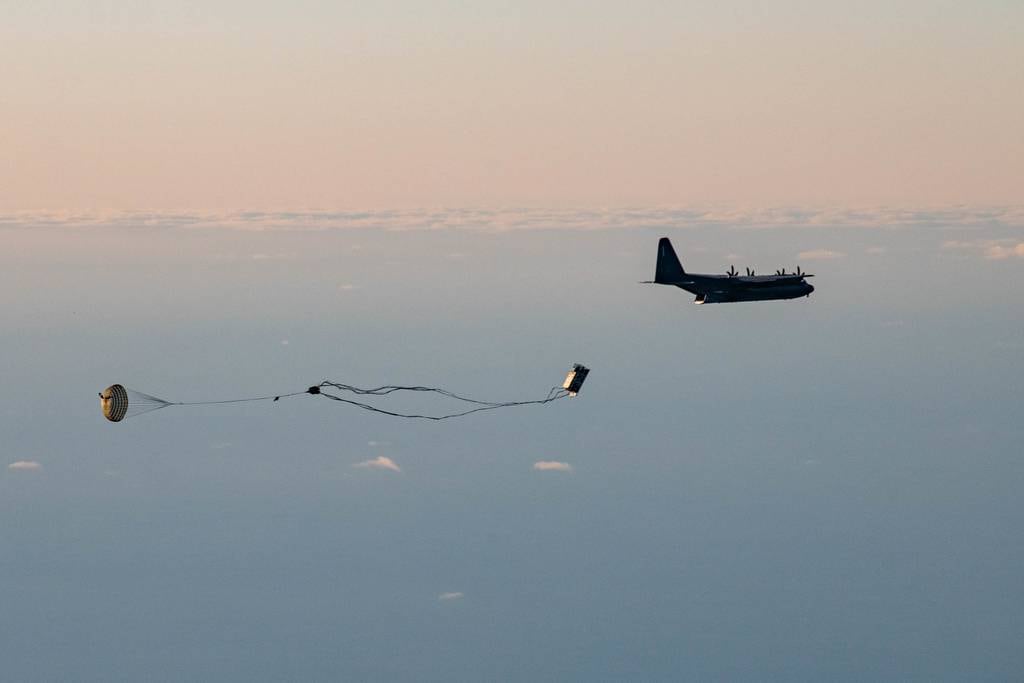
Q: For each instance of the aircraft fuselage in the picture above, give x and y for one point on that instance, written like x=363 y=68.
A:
x=720 y=289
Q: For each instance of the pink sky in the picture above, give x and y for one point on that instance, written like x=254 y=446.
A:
x=330 y=110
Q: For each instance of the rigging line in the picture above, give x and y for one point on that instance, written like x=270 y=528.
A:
x=272 y=397
x=392 y=388
x=366 y=406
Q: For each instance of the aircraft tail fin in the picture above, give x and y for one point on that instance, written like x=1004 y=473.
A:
x=668 y=269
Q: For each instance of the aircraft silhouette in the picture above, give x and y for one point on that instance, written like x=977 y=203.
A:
x=719 y=289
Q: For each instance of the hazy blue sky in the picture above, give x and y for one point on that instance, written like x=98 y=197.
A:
x=823 y=489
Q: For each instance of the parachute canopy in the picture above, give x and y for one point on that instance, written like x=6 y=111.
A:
x=119 y=403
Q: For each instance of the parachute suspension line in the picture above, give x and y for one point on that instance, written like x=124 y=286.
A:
x=392 y=388
x=553 y=395
x=273 y=397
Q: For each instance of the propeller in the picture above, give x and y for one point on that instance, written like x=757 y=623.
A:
x=750 y=271
x=798 y=271
x=780 y=272
x=732 y=271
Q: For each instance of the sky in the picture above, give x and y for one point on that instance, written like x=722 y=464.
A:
x=821 y=489
x=218 y=200
x=226 y=105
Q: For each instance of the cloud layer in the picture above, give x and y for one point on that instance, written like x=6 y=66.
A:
x=379 y=463
x=503 y=220
x=24 y=465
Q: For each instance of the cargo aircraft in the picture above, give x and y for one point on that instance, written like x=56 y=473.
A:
x=720 y=289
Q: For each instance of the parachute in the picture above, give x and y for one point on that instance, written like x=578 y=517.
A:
x=119 y=403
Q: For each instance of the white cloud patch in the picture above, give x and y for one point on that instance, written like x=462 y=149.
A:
x=24 y=466
x=443 y=597
x=998 y=252
x=820 y=255
x=348 y=287
x=379 y=463
x=994 y=250
x=552 y=466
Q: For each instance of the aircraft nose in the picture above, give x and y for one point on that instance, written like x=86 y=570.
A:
x=810 y=288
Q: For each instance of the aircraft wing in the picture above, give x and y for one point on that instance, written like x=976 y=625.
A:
x=673 y=282
x=771 y=280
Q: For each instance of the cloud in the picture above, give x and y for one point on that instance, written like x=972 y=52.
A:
x=451 y=596
x=819 y=255
x=24 y=466
x=511 y=219
x=379 y=463
x=349 y=287
x=998 y=252
x=552 y=466
x=994 y=250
